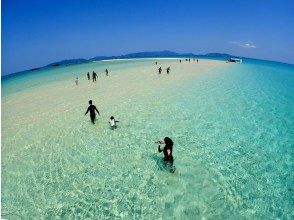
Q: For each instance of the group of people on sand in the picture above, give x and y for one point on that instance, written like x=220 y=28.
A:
x=92 y=109
x=160 y=70
x=95 y=76
x=190 y=60
x=168 y=69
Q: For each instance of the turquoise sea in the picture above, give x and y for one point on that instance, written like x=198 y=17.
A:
x=232 y=127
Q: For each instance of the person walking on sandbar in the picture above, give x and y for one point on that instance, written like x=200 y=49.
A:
x=106 y=72
x=88 y=75
x=159 y=70
x=94 y=76
x=92 y=108
x=167 y=70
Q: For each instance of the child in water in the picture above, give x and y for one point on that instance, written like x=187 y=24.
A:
x=112 y=122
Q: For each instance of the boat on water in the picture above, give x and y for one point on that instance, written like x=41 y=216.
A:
x=234 y=60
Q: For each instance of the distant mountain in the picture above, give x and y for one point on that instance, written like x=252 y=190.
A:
x=67 y=62
x=164 y=53
x=218 y=55
x=99 y=58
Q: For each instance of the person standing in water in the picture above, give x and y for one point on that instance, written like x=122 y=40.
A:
x=159 y=70
x=197 y=60
x=94 y=76
x=77 y=81
x=112 y=122
x=167 y=70
x=167 y=152
x=88 y=74
x=92 y=108
x=106 y=72
x=180 y=61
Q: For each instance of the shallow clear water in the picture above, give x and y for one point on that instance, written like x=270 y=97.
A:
x=232 y=127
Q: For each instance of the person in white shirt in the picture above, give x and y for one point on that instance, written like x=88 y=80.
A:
x=112 y=122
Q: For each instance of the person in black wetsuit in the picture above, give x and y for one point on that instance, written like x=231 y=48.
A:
x=92 y=109
x=167 y=70
x=88 y=74
x=94 y=76
x=167 y=150
x=159 y=70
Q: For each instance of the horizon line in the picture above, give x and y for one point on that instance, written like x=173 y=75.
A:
x=110 y=58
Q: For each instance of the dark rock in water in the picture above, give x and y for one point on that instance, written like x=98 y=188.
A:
x=56 y=64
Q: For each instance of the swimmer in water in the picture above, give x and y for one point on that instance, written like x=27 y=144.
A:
x=112 y=122
x=92 y=109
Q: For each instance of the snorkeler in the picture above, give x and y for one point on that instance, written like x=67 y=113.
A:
x=167 y=151
x=92 y=109
x=112 y=122
x=106 y=72
x=88 y=74
x=159 y=70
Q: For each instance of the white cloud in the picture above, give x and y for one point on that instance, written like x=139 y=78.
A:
x=244 y=45
x=247 y=45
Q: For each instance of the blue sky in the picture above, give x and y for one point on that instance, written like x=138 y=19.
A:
x=35 y=33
